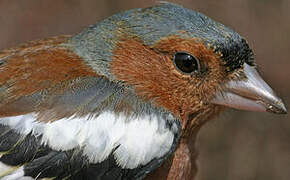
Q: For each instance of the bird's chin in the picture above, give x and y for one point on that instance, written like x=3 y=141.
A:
x=251 y=93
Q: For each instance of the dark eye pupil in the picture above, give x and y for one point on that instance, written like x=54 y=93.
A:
x=185 y=62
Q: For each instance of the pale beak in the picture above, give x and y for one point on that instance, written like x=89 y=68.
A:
x=252 y=94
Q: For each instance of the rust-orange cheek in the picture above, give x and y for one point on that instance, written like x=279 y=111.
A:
x=155 y=77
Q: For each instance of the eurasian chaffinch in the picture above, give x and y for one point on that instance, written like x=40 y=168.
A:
x=124 y=96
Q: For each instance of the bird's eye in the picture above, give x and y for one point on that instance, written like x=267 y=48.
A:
x=186 y=63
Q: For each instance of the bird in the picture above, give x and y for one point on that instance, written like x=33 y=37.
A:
x=125 y=97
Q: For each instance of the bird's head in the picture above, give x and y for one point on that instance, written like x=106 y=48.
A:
x=178 y=60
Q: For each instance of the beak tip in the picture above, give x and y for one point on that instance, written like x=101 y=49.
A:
x=283 y=109
x=279 y=108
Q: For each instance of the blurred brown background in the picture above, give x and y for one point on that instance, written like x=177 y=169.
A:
x=237 y=145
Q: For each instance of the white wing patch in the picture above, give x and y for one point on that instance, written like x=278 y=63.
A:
x=17 y=175
x=5 y=169
x=139 y=139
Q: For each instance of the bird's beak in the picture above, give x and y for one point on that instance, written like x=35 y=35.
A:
x=252 y=93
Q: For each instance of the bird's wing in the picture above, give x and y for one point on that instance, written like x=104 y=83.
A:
x=57 y=120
